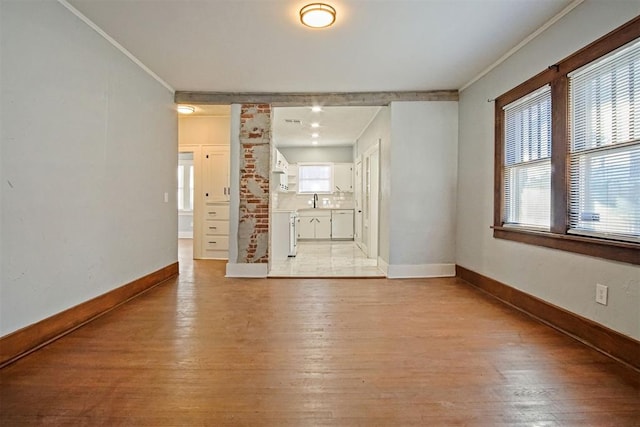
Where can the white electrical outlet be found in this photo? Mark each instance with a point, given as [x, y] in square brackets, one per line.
[602, 292]
[166, 197]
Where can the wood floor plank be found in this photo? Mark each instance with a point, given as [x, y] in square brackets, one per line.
[206, 350]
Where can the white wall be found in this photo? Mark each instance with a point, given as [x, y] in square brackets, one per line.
[561, 278]
[424, 150]
[379, 131]
[204, 130]
[89, 145]
[318, 154]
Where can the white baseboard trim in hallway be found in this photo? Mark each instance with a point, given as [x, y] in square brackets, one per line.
[256, 271]
[410, 271]
[383, 266]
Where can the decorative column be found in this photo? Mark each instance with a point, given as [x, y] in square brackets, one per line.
[255, 167]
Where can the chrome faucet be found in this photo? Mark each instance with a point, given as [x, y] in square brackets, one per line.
[315, 200]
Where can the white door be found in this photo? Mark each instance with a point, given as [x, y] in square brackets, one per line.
[371, 188]
[357, 233]
[215, 174]
[374, 165]
[366, 191]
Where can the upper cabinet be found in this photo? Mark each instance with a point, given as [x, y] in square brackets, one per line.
[343, 177]
[215, 173]
[280, 164]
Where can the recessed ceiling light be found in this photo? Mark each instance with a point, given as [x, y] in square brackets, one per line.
[186, 109]
[317, 15]
[314, 142]
[316, 108]
[315, 135]
[315, 125]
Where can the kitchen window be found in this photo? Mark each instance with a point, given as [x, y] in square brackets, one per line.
[567, 161]
[315, 178]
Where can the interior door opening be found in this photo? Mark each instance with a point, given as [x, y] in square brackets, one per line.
[326, 188]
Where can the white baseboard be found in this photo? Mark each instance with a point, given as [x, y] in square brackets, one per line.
[256, 271]
[408, 271]
[383, 266]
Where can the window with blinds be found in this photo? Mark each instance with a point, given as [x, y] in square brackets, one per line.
[604, 154]
[527, 160]
[315, 178]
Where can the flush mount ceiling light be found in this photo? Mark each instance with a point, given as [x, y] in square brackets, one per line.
[317, 15]
[315, 135]
[186, 109]
[316, 108]
[315, 125]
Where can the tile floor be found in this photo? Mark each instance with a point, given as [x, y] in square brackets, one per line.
[327, 259]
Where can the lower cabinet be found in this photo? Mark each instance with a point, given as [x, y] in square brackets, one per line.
[215, 236]
[314, 224]
[342, 224]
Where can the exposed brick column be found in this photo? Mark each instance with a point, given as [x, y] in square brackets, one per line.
[255, 146]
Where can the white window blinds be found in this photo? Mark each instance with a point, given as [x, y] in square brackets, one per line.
[604, 105]
[527, 160]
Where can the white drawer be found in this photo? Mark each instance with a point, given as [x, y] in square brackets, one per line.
[216, 227]
[216, 243]
[212, 211]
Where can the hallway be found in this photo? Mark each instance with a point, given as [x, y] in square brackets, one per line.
[204, 350]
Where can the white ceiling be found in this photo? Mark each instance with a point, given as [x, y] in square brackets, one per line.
[260, 45]
[338, 126]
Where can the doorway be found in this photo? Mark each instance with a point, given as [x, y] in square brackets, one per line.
[186, 180]
[317, 178]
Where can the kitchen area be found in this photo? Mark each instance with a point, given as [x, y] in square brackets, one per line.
[316, 196]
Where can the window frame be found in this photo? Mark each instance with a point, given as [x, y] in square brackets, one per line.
[557, 236]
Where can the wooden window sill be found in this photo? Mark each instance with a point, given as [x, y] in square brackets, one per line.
[626, 252]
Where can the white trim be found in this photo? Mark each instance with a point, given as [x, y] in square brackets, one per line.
[117, 45]
[257, 271]
[185, 234]
[373, 117]
[399, 271]
[524, 42]
[383, 266]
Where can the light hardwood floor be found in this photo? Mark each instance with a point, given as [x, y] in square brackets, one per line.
[203, 350]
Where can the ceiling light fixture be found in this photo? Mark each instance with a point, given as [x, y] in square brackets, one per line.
[186, 109]
[315, 125]
[316, 108]
[314, 142]
[315, 135]
[317, 15]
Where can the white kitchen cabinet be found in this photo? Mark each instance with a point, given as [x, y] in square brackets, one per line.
[323, 226]
[215, 173]
[215, 240]
[342, 224]
[306, 227]
[343, 177]
[280, 163]
[214, 191]
[314, 224]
